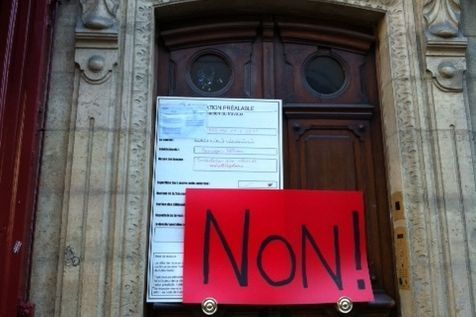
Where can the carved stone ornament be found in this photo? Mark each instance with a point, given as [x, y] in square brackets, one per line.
[445, 45]
[442, 18]
[99, 14]
[97, 40]
[447, 73]
[96, 65]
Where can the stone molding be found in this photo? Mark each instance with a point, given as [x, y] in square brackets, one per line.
[445, 49]
[447, 72]
[96, 65]
[445, 44]
[97, 40]
[99, 14]
[442, 18]
[88, 213]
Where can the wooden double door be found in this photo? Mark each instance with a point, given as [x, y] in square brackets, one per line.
[332, 135]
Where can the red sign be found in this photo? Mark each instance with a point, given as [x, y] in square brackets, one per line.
[274, 247]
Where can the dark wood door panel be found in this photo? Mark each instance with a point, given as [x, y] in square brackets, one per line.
[326, 154]
[341, 154]
[292, 62]
[330, 158]
[240, 58]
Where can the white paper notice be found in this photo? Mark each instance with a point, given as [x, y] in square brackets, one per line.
[205, 143]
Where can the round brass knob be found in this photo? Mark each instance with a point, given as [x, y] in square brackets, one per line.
[344, 305]
[209, 306]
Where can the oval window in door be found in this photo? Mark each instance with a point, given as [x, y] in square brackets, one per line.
[210, 74]
[325, 75]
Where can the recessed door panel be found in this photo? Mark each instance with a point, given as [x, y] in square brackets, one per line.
[326, 156]
[218, 70]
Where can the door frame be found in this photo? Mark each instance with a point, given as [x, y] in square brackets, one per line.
[271, 44]
[383, 17]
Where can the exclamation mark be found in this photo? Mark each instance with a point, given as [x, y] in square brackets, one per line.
[357, 253]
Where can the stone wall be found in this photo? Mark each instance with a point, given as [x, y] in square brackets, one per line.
[90, 238]
[54, 174]
[468, 27]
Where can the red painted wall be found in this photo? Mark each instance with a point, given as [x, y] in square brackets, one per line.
[25, 37]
